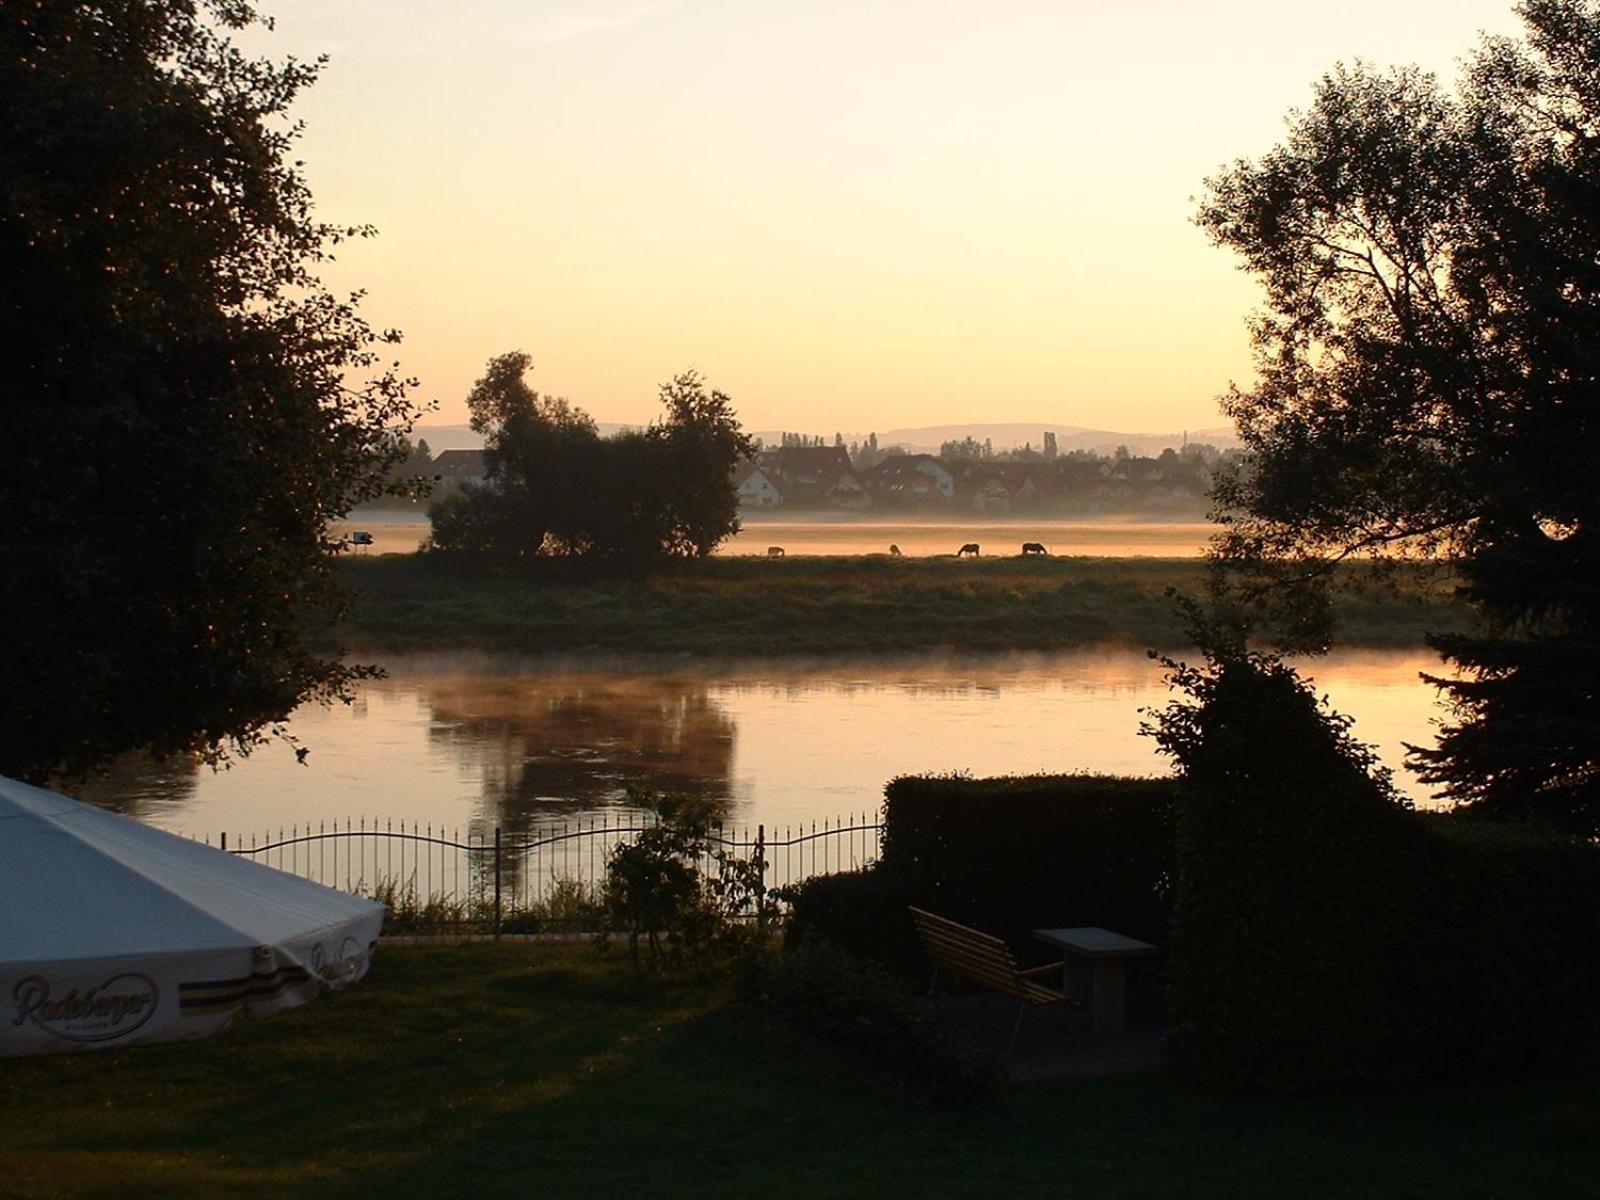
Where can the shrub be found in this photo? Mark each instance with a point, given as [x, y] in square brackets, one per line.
[864, 912]
[1325, 935]
[657, 887]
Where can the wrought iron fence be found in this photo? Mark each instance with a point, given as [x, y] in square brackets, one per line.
[546, 875]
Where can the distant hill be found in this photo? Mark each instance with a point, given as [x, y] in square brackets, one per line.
[927, 439]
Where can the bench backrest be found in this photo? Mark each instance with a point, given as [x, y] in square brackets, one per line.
[968, 952]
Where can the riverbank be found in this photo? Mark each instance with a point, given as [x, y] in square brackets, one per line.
[871, 604]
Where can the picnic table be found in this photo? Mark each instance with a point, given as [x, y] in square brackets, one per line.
[1095, 967]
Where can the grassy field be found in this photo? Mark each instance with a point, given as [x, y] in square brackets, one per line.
[551, 1070]
[819, 605]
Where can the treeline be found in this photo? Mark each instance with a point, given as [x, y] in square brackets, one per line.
[867, 453]
[554, 487]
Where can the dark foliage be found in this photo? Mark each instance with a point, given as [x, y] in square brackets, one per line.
[1523, 745]
[556, 488]
[680, 889]
[1006, 856]
[1011, 855]
[1324, 935]
[185, 401]
[1428, 377]
[863, 912]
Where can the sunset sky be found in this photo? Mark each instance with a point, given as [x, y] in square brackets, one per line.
[848, 215]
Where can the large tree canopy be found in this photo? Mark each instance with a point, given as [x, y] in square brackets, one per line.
[1429, 382]
[186, 406]
[555, 487]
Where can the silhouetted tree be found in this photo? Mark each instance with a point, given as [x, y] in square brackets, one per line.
[866, 455]
[1429, 382]
[700, 442]
[555, 487]
[190, 406]
[965, 448]
[532, 448]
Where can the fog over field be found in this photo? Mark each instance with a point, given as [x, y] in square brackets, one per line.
[849, 533]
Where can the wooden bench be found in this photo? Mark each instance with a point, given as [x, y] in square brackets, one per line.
[984, 959]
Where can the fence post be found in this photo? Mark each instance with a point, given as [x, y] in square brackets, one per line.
[224, 839]
[497, 882]
[761, 888]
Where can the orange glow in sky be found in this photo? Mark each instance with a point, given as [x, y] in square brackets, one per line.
[847, 215]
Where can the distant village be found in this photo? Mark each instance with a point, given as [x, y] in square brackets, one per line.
[804, 474]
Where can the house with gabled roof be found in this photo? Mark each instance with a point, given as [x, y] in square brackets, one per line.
[453, 468]
[1028, 484]
[915, 479]
[978, 486]
[754, 487]
[814, 476]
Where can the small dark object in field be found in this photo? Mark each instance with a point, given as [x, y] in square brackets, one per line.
[894, 550]
[774, 551]
[1034, 548]
[970, 548]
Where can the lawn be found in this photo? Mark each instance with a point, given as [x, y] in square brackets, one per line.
[552, 1070]
[820, 605]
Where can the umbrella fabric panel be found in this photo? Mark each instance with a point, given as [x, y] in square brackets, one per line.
[114, 934]
[266, 905]
[60, 898]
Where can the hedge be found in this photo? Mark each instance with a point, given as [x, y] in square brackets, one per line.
[1326, 936]
[1007, 856]
[1011, 855]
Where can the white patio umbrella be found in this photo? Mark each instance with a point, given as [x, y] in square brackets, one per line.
[113, 933]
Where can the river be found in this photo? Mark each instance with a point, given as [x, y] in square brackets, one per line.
[474, 742]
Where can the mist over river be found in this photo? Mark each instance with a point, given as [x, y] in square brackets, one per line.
[475, 741]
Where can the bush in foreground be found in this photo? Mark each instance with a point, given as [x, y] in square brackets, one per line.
[1325, 935]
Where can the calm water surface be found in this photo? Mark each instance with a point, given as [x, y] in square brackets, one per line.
[481, 741]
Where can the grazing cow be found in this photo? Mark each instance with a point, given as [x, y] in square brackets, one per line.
[970, 548]
[894, 551]
[1034, 548]
[774, 551]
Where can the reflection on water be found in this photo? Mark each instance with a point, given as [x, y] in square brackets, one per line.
[486, 741]
[547, 746]
[141, 786]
